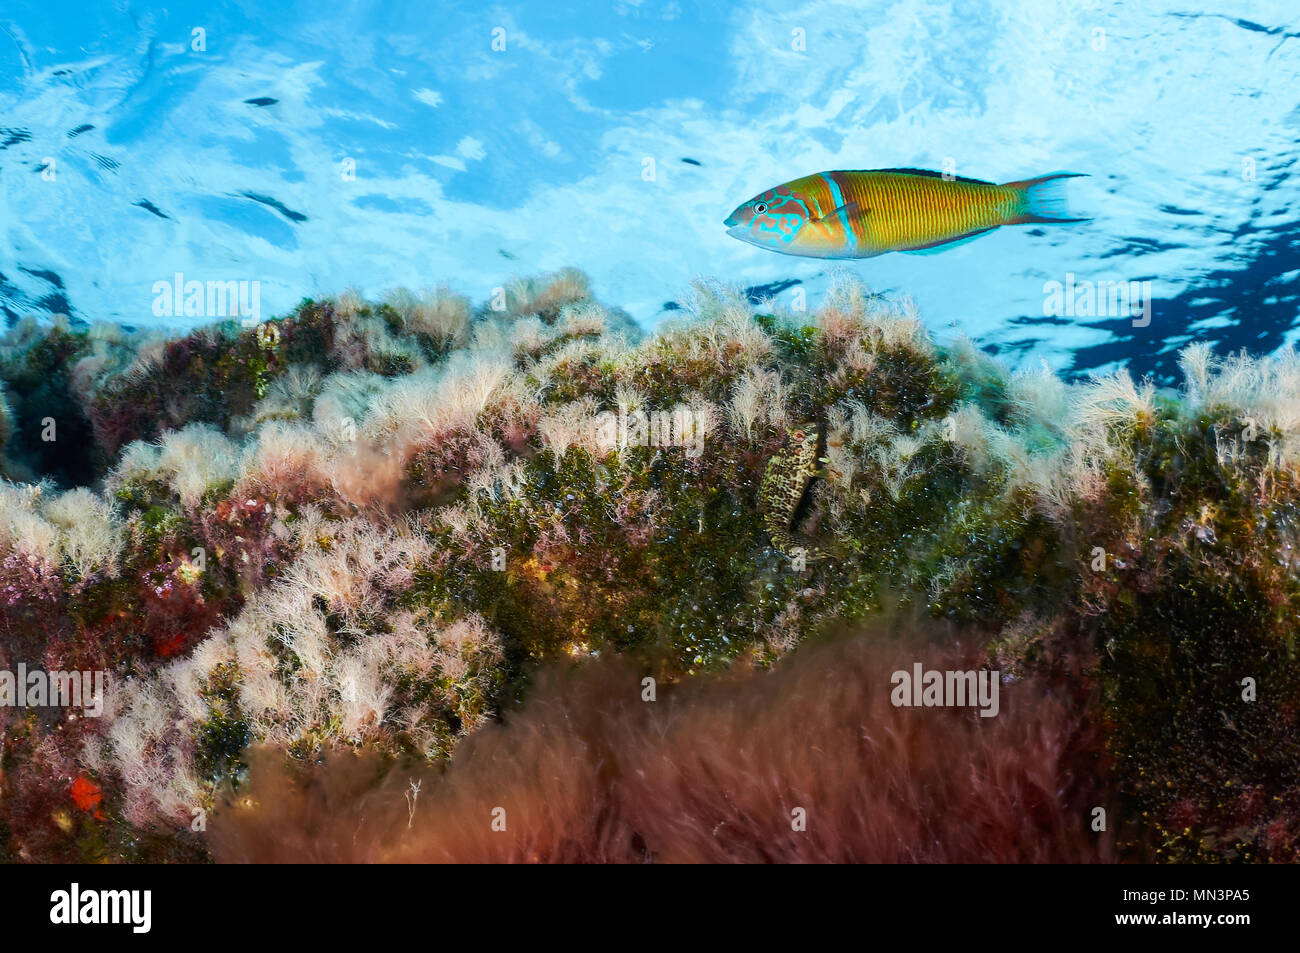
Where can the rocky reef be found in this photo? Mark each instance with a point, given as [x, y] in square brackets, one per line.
[376, 525]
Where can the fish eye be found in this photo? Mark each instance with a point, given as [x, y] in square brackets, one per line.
[760, 208]
[798, 435]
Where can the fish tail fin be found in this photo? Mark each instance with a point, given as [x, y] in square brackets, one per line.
[1042, 200]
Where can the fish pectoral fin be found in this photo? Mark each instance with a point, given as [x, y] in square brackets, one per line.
[848, 208]
[944, 246]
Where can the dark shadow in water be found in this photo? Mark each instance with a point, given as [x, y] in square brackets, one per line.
[1261, 306]
[756, 294]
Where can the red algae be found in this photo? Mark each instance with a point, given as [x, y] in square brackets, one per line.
[718, 771]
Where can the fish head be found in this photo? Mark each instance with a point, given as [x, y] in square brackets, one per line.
[803, 440]
[771, 219]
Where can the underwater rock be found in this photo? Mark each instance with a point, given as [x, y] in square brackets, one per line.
[370, 525]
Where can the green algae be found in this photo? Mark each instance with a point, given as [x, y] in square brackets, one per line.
[663, 558]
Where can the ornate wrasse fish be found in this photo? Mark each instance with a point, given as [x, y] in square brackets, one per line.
[864, 214]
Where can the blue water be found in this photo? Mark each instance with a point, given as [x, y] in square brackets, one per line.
[127, 154]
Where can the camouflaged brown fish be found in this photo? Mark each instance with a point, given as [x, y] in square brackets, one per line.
[785, 481]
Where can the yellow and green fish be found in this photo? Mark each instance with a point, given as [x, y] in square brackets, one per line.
[864, 214]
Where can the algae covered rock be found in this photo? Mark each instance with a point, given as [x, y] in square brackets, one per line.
[370, 525]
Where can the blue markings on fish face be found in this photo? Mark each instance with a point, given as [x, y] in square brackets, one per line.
[771, 220]
[778, 226]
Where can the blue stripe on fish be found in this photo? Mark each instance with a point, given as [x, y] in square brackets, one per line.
[838, 198]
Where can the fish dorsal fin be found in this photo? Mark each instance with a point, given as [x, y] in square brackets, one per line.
[936, 175]
[848, 208]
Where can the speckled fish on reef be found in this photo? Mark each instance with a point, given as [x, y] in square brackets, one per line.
[864, 214]
[785, 483]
